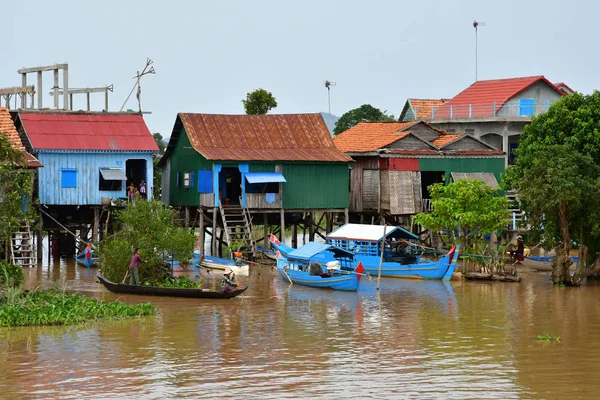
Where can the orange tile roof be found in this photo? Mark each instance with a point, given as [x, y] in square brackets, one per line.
[445, 139]
[423, 107]
[8, 128]
[371, 136]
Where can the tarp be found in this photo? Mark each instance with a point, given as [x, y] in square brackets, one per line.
[264, 177]
[311, 249]
[487, 177]
[113, 174]
[370, 233]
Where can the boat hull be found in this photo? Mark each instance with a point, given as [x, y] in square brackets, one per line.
[541, 263]
[81, 259]
[340, 282]
[214, 263]
[170, 292]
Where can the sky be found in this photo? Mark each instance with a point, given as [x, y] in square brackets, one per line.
[209, 54]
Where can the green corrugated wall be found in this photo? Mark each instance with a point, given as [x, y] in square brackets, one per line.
[448, 165]
[315, 185]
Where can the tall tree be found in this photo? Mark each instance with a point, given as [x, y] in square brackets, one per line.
[16, 185]
[158, 138]
[259, 102]
[364, 113]
[556, 175]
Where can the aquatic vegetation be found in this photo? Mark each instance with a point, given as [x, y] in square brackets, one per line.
[55, 307]
[11, 275]
[545, 337]
[181, 282]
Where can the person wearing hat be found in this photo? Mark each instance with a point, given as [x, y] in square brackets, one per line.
[518, 254]
[229, 281]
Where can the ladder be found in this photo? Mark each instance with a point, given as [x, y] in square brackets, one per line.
[237, 224]
[22, 247]
[517, 214]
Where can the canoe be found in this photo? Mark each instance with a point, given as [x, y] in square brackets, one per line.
[392, 266]
[87, 258]
[341, 273]
[171, 292]
[209, 262]
[541, 263]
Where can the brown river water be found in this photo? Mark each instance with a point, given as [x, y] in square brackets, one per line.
[413, 340]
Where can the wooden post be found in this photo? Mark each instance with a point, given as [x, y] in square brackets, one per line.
[282, 224]
[213, 239]
[220, 247]
[311, 227]
[96, 234]
[329, 223]
[381, 257]
[295, 235]
[346, 216]
[266, 231]
[187, 217]
[40, 237]
[201, 238]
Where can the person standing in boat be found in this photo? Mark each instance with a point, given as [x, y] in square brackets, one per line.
[229, 281]
[134, 266]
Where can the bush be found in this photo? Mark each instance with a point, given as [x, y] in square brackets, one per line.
[11, 275]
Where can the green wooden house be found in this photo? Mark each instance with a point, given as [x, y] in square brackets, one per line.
[256, 164]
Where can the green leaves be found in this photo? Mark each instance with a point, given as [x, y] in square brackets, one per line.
[259, 102]
[364, 113]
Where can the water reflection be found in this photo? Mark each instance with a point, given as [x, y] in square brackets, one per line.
[409, 339]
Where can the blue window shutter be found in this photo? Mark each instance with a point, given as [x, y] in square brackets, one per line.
[526, 107]
[205, 181]
[177, 179]
[192, 179]
[68, 178]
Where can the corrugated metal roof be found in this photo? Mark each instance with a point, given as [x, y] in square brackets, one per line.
[264, 177]
[487, 177]
[113, 174]
[87, 131]
[272, 137]
[8, 128]
[369, 136]
[370, 233]
[443, 140]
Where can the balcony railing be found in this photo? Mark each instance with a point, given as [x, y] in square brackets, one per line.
[478, 111]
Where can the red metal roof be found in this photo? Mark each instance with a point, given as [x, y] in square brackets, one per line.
[271, 137]
[483, 94]
[87, 131]
[8, 128]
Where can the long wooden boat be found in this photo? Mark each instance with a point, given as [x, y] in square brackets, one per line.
[171, 292]
[365, 242]
[209, 262]
[87, 258]
[339, 274]
[541, 263]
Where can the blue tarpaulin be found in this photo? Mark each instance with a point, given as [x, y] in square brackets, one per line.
[264, 177]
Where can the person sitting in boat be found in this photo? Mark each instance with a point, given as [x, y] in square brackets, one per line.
[315, 269]
[229, 281]
[517, 253]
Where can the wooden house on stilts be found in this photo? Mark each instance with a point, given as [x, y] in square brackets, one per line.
[231, 171]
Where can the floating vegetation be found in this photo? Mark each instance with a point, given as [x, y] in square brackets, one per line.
[545, 337]
[55, 307]
[181, 282]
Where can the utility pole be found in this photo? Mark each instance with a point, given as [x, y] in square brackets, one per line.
[475, 25]
[328, 85]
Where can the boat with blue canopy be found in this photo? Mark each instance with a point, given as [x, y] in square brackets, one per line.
[399, 258]
[87, 257]
[340, 273]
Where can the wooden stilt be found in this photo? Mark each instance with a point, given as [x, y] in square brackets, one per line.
[201, 229]
[346, 216]
[213, 239]
[96, 225]
[295, 235]
[282, 224]
[187, 217]
[221, 243]
[40, 236]
[311, 227]
[265, 230]
[329, 221]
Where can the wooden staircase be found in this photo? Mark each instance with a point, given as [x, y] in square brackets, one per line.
[22, 247]
[238, 227]
[515, 210]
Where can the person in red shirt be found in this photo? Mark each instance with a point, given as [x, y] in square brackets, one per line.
[134, 266]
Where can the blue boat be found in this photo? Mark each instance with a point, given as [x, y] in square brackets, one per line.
[87, 257]
[215, 263]
[299, 267]
[365, 241]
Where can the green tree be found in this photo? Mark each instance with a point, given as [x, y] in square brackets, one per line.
[465, 212]
[150, 226]
[259, 102]
[556, 177]
[364, 113]
[16, 185]
[158, 138]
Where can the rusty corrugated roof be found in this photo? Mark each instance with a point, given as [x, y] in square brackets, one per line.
[272, 137]
[370, 136]
[7, 127]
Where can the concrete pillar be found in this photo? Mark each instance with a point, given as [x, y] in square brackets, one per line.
[24, 84]
[55, 89]
[105, 100]
[213, 239]
[71, 102]
[39, 90]
[201, 238]
[87, 98]
[66, 87]
[505, 149]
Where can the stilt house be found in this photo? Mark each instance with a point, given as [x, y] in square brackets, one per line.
[246, 165]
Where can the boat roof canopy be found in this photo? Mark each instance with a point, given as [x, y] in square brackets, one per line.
[311, 249]
[370, 233]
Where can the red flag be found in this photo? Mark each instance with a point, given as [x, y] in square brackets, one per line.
[278, 254]
[273, 239]
[359, 270]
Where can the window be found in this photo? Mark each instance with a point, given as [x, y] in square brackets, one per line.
[186, 179]
[68, 178]
[470, 131]
[111, 179]
[526, 107]
[450, 130]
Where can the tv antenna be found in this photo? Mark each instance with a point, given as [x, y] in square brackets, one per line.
[328, 85]
[148, 69]
[476, 25]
